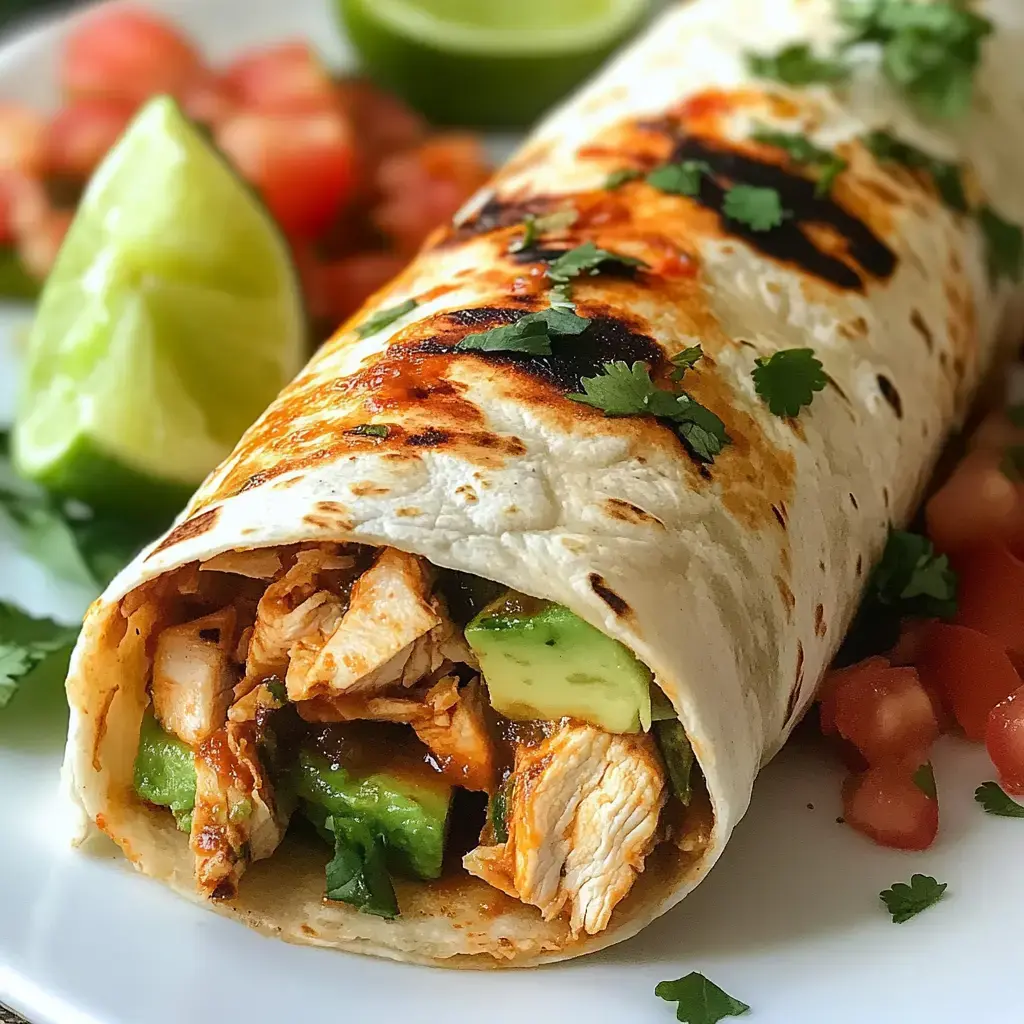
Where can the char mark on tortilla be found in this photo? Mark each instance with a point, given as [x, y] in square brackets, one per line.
[610, 598]
[190, 528]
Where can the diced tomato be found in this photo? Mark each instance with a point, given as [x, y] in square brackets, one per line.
[990, 596]
[283, 79]
[126, 54]
[344, 285]
[81, 135]
[972, 671]
[302, 165]
[209, 100]
[887, 715]
[913, 633]
[889, 807]
[22, 140]
[382, 122]
[1004, 740]
[837, 680]
[977, 505]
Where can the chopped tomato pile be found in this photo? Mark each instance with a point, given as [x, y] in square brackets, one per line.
[354, 178]
[959, 668]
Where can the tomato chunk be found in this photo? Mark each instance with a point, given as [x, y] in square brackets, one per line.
[1004, 740]
[838, 679]
[283, 79]
[82, 134]
[972, 671]
[126, 54]
[22, 140]
[339, 288]
[991, 596]
[977, 505]
[889, 807]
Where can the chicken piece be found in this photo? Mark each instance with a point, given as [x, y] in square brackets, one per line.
[257, 564]
[582, 819]
[448, 720]
[268, 696]
[293, 609]
[235, 820]
[193, 676]
[392, 634]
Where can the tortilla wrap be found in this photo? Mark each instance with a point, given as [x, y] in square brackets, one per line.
[734, 582]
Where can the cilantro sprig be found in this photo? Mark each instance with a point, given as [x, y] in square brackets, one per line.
[912, 579]
[797, 64]
[699, 1001]
[587, 258]
[385, 318]
[995, 801]
[905, 901]
[788, 380]
[621, 177]
[531, 334]
[679, 179]
[535, 226]
[924, 779]
[26, 643]
[758, 208]
[624, 390]
[801, 150]
[370, 430]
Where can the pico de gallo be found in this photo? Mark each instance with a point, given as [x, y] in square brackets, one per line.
[958, 661]
[354, 178]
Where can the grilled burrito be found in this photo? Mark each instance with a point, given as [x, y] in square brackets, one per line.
[471, 651]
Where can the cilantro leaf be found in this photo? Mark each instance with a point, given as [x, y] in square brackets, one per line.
[948, 177]
[370, 430]
[930, 50]
[682, 179]
[698, 1000]
[685, 360]
[912, 579]
[620, 177]
[796, 64]
[802, 151]
[531, 334]
[358, 874]
[924, 779]
[587, 258]
[992, 798]
[277, 689]
[25, 644]
[759, 208]
[906, 901]
[788, 379]
[534, 226]
[624, 390]
[1004, 243]
[385, 318]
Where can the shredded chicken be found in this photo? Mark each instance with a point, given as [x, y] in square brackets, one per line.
[392, 634]
[193, 676]
[257, 564]
[582, 819]
[448, 720]
[235, 820]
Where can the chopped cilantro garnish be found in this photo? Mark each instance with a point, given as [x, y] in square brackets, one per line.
[788, 379]
[699, 1001]
[25, 644]
[620, 177]
[682, 179]
[759, 208]
[685, 360]
[589, 259]
[796, 64]
[624, 390]
[277, 689]
[994, 801]
[531, 334]
[906, 901]
[1004, 244]
[385, 318]
[912, 579]
[930, 50]
[370, 430]
[948, 177]
[534, 227]
[924, 779]
[358, 873]
[802, 151]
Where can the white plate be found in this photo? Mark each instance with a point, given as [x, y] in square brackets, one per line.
[789, 921]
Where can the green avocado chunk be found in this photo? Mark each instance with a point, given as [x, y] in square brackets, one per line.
[540, 661]
[165, 773]
[410, 812]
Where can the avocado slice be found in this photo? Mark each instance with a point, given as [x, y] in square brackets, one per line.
[165, 773]
[409, 811]
[540, 661]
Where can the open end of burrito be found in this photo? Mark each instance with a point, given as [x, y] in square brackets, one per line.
[411, 727]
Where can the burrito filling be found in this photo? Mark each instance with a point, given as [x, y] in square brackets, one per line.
[389, 709]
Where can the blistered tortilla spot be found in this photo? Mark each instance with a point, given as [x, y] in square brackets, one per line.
[853, 500]
[285, 482]
[860, 565]
[890, 394]
[779, 516]
[627, 512]
[574, 547]
[831, 382]
[918, 322]
[306, 930]
[408, 513]
[617, 604]
[368, 489]
[786, 594]
[821, 564]
[468, 495]
[820, 626]
[190, 528]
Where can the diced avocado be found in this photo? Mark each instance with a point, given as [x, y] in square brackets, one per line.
[164, 772]
[661, 706]
[540, 661]
[410, 812]
[677, 753]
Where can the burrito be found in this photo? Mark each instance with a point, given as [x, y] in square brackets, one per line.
[471, 651]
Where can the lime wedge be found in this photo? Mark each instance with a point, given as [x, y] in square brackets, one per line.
[170, 321]
[487, 63]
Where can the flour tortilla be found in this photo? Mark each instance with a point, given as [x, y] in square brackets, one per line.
[734, 583]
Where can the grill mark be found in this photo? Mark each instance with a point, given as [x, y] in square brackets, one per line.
[788, 243]
[627, 512]
[779, 516]
[192, 527]
[794, 695]
[610, 598]
[917, 321]
[430, 438]
[891, 395]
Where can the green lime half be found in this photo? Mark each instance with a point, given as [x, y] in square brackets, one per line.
[170, 321]
[486, 63]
